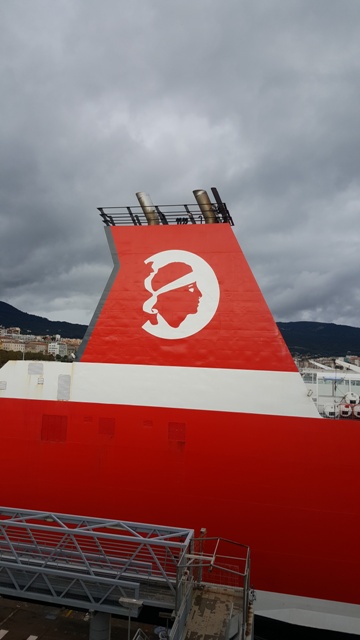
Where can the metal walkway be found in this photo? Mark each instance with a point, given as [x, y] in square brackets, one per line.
[116, 567]
[212, 609]
[91, 563]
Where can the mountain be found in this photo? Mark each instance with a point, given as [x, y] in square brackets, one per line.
[303, 338]
[36, 325]
[320, 338]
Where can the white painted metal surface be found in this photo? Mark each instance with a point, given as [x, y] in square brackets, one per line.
[309, 612]
[228, 390]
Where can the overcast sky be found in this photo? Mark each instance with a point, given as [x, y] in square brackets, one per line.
[260, 98]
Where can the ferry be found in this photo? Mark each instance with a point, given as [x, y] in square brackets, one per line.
[185, 408]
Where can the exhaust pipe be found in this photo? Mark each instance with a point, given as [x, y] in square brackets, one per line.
[205, 205]
[148, 208]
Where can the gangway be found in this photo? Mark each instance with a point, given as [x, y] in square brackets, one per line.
[108, 566]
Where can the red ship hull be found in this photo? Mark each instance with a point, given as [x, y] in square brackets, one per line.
[289, 487]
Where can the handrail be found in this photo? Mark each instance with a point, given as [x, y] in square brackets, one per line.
[178, 214]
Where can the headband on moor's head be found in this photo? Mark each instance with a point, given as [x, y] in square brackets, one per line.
[171, 276]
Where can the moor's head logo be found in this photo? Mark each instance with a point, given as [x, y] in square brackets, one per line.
[184, 294]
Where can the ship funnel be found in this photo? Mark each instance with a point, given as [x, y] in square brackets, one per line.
[148, 208]
[205, 205]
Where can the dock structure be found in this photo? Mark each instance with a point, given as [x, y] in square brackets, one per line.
[216, 613]
[117, 567]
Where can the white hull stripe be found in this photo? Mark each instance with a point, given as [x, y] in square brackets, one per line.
[225, 390]
[309, 612]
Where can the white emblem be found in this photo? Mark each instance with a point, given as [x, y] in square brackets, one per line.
[184, 292]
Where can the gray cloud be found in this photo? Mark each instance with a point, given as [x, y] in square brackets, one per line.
[258, 97]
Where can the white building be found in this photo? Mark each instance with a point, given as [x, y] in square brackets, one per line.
[12, 345]
[57, 349]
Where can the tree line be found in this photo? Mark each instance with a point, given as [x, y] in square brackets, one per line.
[5, 356]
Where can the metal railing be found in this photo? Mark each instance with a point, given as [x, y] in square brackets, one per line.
[219, 564]
[90, 563]
[179, 214]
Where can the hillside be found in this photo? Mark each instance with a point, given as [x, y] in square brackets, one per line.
[36, 325]
[304, 338]
[320, 338]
